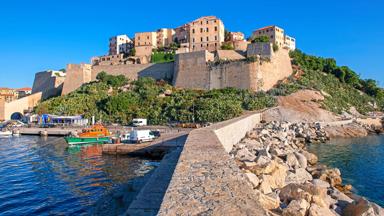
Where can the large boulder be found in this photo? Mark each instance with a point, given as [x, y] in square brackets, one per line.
[362, 208]
[311, 158]
[299, 176]
[296, 208]
[302, 160]
[316, 210]
[292, 161]
[275, 179]
[253, 179]
[270, 201]
[245, 155]
[301, 191]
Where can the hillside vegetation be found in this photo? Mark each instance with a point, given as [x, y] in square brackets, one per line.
[343, 88]
[115, 99]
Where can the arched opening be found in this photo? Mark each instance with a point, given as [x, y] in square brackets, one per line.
[16, 116]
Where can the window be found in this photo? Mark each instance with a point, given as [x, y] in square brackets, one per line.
[207, 29]
[215, 28]
[207, 21]
[215, 44]
[201, 22]
[138, 43]
[215, 37]
[207, 38]
[201, 30]
[271, 36]
[148, 37]
[201, 45]
[193, 31]
[193, 40]
[201, 39]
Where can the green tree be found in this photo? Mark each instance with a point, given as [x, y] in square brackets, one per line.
[258, 39]
[227, 46]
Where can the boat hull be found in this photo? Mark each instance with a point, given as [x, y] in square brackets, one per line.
[86, 140]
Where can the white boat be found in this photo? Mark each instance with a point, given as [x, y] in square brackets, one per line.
[5, 133]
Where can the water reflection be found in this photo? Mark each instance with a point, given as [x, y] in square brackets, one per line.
[43, 176]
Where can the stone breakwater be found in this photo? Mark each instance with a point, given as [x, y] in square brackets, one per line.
[287, 179]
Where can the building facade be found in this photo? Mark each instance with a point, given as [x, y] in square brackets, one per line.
[146, 39]
[277, 36]
[206, 33]
[8, 94]
[164, 37]
[120, 44]
[22, 92]
[236, 36]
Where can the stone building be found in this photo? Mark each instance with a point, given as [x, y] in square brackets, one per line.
[164, 37]
[8, 94]
[236, 36]
[206, 33]
[277, 36]
[146, 39]
[22, 92]
[120, 44]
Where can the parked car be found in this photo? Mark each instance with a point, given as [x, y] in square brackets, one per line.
[139, 122]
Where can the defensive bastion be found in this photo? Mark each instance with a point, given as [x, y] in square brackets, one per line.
[259, 68]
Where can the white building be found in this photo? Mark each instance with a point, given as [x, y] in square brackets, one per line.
[289, 42]
[120, 44]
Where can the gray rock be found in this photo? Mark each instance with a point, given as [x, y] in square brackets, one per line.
[320, 183]
[299, 176]
[245, 155]
[302, 160]
[296, 208]
[292, 161]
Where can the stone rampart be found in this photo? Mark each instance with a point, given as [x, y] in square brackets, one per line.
[191, 70]
[133, 71]
[48, 83]
[206, 180]
[77, 75]
[195, 71]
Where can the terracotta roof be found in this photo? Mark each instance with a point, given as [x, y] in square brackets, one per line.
[24, 89]
[5, 88]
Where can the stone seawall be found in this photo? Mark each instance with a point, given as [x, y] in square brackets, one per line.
[206, 180]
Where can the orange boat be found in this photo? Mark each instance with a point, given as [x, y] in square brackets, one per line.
[96, 134]
[96, 130]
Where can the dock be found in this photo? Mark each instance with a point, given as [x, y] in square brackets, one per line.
[157, 148]
[47, 131]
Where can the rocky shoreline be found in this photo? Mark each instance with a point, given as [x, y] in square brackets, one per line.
[288, 180]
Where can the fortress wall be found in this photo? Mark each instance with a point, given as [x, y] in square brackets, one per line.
[133, 71]
[77, 75]
[234, 74]
[278, 69]
[47, 84]
[191, 70]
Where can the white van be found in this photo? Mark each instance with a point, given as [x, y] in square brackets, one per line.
[139, 122]
[139, 136]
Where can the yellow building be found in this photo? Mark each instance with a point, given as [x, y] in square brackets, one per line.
[146, 39]
[206, 33]
[8, 94]
[277, 36]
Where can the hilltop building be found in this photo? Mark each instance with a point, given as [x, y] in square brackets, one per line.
[277, 36]
[206, 33]
[164, 37]
[120, 44]
[22, 92]
[8, 94]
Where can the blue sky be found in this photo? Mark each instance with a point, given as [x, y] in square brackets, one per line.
[39, 35]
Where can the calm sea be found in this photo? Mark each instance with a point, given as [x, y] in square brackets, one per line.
[43, 177]
[361, 162]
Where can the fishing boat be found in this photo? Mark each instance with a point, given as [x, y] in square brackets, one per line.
[97, 134]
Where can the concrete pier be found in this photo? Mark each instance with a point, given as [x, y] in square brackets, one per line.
[49, 131]
[200, 178]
